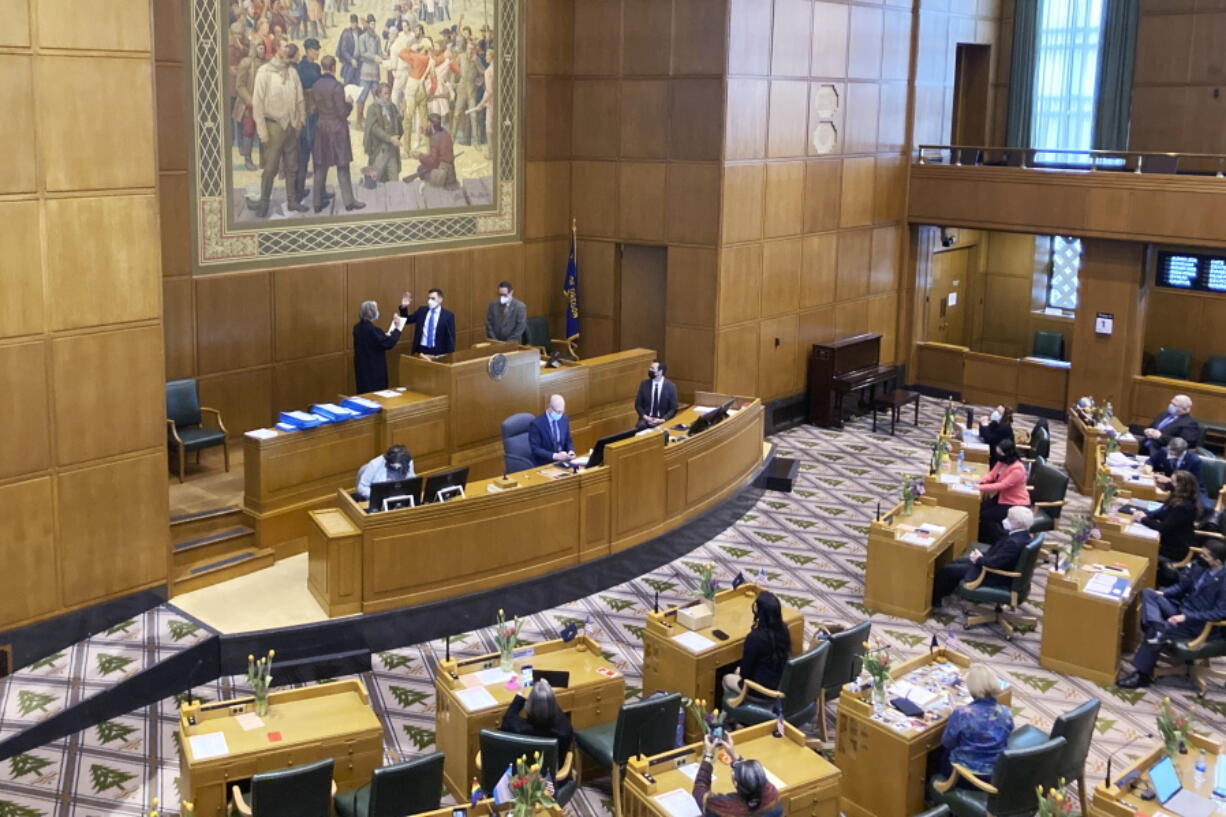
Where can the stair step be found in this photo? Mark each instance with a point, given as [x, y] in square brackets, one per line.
[191, 526]
[211, 571]
[213, 545]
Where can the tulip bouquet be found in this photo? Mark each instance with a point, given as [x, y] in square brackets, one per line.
[1106, 492]
[706, 582]
[1083, 531]
[506, 636]
[1173, 727]
[940, 450]
[530, 789]
[1113, 439]
[707, 721]
[259, 676]
[912, 487]
[877, 662]
[1053, 803]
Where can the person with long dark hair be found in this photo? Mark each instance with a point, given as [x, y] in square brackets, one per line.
[1175, 522]
[539, 715]
[767, 646]
[1004, 487]
[754, 793]
[998, 428]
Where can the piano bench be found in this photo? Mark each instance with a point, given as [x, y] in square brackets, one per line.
[895, 401]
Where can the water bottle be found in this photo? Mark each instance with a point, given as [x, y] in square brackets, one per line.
[761, 577]
[681, 727]
[1201, 766]
[961, 457]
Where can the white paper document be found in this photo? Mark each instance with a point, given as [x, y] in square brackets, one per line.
[249, 721]
[262, 433]
[211, 745]
[476, 698]
[917, 539]
[364, 401]
[304, 416]
[690, 770]
[1137, 529]
[935, 530]
[387, 393]
[704, 409]
[493, 675]
[694, 642]
[963, 488]
[1121, 459]
[949, 479]
[678, 803]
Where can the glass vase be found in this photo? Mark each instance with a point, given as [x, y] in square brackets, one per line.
[261, 705]
[506, 660]
[879, 696]
[907, 504]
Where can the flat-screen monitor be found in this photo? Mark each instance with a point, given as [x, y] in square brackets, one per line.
[597, 457]
[1199, 272]
[394, 494]
[446, 485]
[712, 417]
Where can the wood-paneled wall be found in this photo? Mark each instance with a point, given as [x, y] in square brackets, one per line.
[82, 462]
[1186, 320]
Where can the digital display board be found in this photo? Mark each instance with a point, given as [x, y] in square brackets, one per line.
[1193, 271]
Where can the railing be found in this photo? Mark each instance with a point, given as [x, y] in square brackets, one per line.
[1113, 161]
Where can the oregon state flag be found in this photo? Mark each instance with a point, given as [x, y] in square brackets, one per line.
[570, 288]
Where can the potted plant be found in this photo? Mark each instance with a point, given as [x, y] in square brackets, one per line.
[702, 614]
[1106, 492]
[259, 675]
[1053, 803]
[506, 636]
[1174, 728]
[940, 449]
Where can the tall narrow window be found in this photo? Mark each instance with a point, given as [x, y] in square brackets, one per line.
[1066, 78]
[1062, 277]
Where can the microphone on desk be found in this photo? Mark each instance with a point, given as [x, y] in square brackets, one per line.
[1111, 757]
[935, 645]
[877, 518]
[447, 648]
[655, 607]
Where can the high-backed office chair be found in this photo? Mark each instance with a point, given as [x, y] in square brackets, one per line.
[1077, 728]
[185, 430]
[966, 156]
[1006, 602]
[501, 749]
[537, 335]
[1214, 371]
[1159, 163]
[1171, 362]
[302, 791]
[645, 727]
[842, 666]
[516, 450]
[1017, 778]
[1048, 487]
[1015, 157]
[1194, 656]
[1039, 443]
[404, 788]
[799, 689]
[1212, 478]
[1049, 345]
[940, 811]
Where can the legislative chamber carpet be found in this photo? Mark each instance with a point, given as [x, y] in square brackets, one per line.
[809, 547]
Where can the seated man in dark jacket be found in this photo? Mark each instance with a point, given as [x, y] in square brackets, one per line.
[1175, 457]
[1180, 611]
[1002, 555]
[1176, 421]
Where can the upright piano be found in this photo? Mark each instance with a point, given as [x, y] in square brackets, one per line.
[845, 365]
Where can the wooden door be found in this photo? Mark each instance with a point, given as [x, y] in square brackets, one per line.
[642, 299]
[946, 297]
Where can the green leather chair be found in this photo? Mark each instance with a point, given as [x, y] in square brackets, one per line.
[1194, 656]
[1215, 370]
[1048, 487]
[404, 788]
[185, 430]
[1018, 776]
[302, 791]
[842, 666]
[1039, 444]
[940, 811]
[800, 686]
[1077, 728]
[1171, 362]
[501, 749]
[1004, 601]
[1049, 345]
[1212, 477]
[647, 727]
[538, 335]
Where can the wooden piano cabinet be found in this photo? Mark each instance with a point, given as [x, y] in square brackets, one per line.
[831, 363]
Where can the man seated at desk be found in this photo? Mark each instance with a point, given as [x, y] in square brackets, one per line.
[1002, 555]
[656, 401]
[1174, 457]
[1176, 421]
[1180, 611]
[396, 463]
[434, 327]
[549, 434]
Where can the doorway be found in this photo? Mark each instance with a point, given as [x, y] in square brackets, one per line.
[946, 297]
[972, 90]
[642, 297]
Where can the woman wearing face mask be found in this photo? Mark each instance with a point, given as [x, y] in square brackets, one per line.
[1003, 487]
[998, 428]
[1175, 522]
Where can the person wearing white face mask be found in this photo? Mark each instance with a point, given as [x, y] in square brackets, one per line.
[506, 318]
[434, 332]
[1002, 555]
[1176, 421]
[549, 434]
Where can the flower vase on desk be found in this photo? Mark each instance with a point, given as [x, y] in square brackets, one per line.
[506, 661]
[506, 636]
[879, 696]
[259, 676]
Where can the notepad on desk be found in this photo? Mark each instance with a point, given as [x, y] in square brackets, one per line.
[678, 803]
[386, 393]
[476, 698]
[209, 745]
[1137, 529]
[694, 642]
[262, 433]
[1108, 586]
[917, 538]
[493, 675]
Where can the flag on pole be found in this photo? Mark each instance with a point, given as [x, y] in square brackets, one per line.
[570, 288]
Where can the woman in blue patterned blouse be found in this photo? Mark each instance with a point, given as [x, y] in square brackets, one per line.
[976, 734]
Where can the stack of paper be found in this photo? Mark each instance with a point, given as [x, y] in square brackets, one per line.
[476, 698]
[678, 803]
[694, 642]
[949, 479]
[212, 744]
[1137, 529]
[1112, 587]
[387, 393]
[917, 538]
[261, 433]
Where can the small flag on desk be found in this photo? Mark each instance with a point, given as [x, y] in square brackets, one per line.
[569, 632]
[738, 580]
[570, 288]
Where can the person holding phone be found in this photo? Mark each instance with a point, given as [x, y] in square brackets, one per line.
[754, 793]
[539, 715]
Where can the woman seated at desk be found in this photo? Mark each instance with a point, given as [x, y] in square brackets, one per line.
[1175, 522]
[767, 647]
[977, 733]
[998, 428]
[1006, 483]
[539, 716]
[754, 794]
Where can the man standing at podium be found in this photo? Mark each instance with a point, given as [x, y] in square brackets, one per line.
[656, 401]
[434, 332]
[549, 434]
[506, 318]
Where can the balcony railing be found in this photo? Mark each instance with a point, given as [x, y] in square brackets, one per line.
[1090, 161]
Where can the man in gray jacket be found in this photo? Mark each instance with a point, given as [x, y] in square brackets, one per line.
[506, 318]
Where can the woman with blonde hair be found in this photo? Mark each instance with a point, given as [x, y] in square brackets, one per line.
[977, 733]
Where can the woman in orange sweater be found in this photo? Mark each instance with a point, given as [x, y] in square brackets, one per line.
[1003, 487]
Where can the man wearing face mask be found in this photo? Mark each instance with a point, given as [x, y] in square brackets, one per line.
[656, 401]
[549, 434]
[1001, 556]
[435, 327]
[1176, 421]
[506, 318]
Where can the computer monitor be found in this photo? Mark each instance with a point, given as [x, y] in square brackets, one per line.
[394, 494]
[445, 485]
[597, 457]
[712, 417]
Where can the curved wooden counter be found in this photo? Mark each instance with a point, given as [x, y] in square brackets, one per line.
[367, 563]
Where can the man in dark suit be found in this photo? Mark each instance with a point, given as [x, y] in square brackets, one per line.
[1176, 421]
[549, 434]
[1175, 457]
[370, 345]
[435, 327]
[506, 318]
[1180, 612]
[1003, 555]
[656, 401]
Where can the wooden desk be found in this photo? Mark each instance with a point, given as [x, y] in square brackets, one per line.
[967, 442]
[671, 667]
[550, 520]
[590, 699]
[1082, 443]
[1110, 800]
[811, 783]
[898, 577]
[329, 720]
[885, 769]
[1083, 633]
[956, 489]
[1114, 529]
[1138, 481]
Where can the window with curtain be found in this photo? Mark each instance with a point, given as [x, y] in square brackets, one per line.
[1063, 267]
[1068, 39]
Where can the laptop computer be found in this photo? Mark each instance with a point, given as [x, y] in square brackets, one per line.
[557, 678]
[1173, 796]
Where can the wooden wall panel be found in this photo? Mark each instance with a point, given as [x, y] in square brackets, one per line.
[641, 201]
[786, 125]
[823, 195]
[233, 321]
[829, 39]
[179, 328]
[644, 112]
[692, 201]
[21, 295]
[594, 193]
[307, 308]
[601, 257]
[778, 374]
[15, 23]
[742, 203]
[857, 204]
[693, 284]
[784, 199]
[302, 383]
[781, 263]
[695, 119]
[115, 33]
[24, 397]
[819, 269]
[29, 582]
[597, 113]
[855, 259]
[737, 353]
[700, 34]
[744, 123]
[740, 284]
[17, 165]
[175, 221]
[244, 398]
